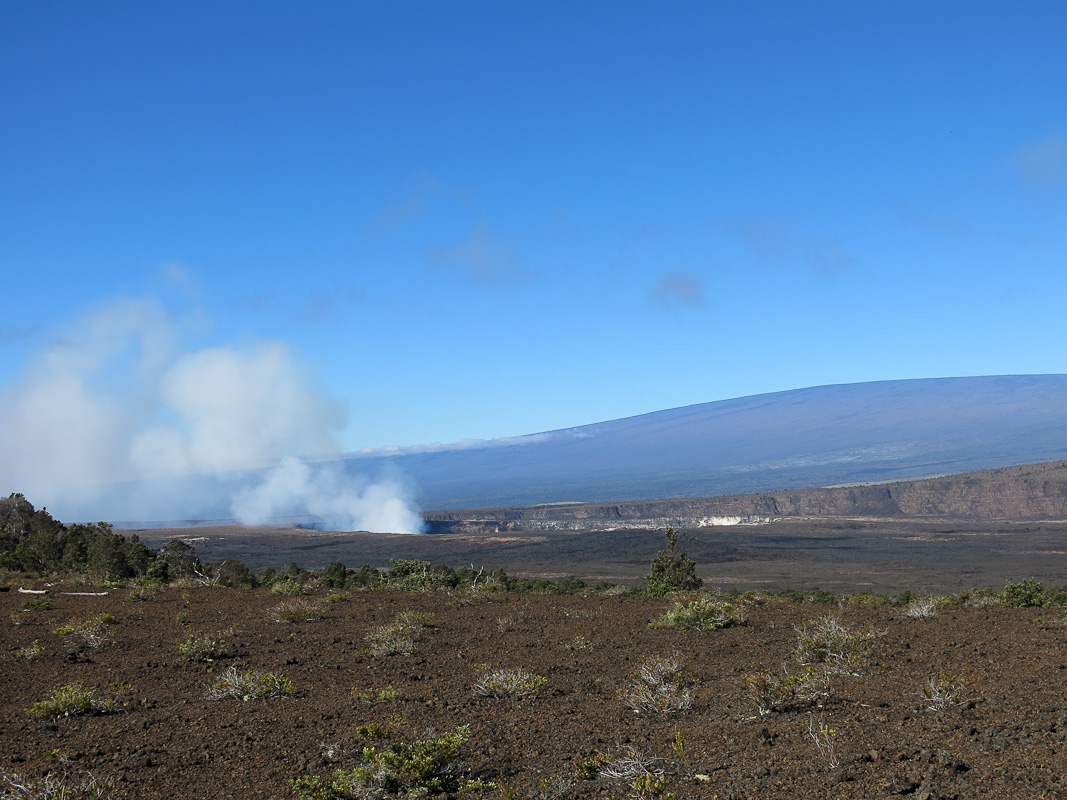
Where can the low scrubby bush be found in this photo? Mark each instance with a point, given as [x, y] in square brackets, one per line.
[72, 700]
[53, 786]
[419, 768]
[783, 691]
[657, 686]
[507, 683]
[701, 614]
[833, 646]
[250, 685]
[205, 648]
[299, 609]
[398, 637]
[946, 691]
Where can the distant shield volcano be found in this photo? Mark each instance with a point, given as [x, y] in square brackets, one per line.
[826, 435]
[822, 436]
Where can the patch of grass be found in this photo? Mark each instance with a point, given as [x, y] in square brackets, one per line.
[297, 610]
[507, 683]
[205, 648]
[250, 685]
[700, 614]
[29, 652]
[53, 786]
[143, 592]
[72, 700]
[398, 638]
[946, 691]
[41, 604]
[91, 630]
[372, 696]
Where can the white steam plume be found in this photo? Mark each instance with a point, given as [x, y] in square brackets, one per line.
[115, 399]
[295, 488]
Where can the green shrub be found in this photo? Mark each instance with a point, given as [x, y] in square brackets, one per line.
[288, 586]
[71, 700]
[42, 604]
[419, 768]
[1028, 593]
[92, 630]
[205, 648]
[670, 571]
[701, 614]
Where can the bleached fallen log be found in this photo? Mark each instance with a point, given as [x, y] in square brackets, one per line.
[33, 591]
[86, 594]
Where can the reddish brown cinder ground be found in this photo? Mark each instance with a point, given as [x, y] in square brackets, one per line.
[172, 741]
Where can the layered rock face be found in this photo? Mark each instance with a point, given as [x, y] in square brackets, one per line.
[1031, 491]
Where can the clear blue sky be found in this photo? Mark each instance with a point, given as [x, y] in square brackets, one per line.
[488, 219]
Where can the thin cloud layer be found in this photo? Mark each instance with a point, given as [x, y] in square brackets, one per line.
[1043, 163]
[778, 240]
[676, 290]
[484, 257]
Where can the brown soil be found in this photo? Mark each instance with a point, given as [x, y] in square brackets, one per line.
[173, 742]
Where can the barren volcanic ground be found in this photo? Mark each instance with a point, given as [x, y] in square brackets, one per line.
[171, 741]
[841, 555]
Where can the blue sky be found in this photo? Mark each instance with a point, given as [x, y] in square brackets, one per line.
[489, 219]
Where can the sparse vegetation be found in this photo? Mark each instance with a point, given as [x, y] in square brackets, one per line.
[371, 696]
[657, 686]
[946, 691]
[29, 652]
[250, 685]
[419, 768]
[825, 739]
[53, 786]
[833, 646]
[72, 700]
[92, 630]
[704, 613]
[507, 683]
[782, 691]
[298, 609]
[399, 637]
[205, 648]
[921, 608]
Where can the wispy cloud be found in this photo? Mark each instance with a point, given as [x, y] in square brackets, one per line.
[470, 444]
[938, 223]
[778, 240]
[1043, 164]
[675, 291]
[485, 257]
[413, 204]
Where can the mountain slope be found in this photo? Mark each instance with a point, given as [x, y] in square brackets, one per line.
[826, 435]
